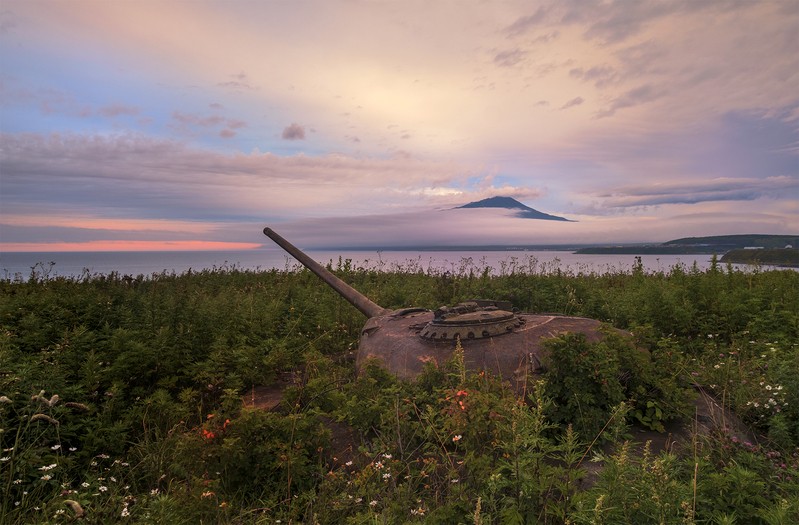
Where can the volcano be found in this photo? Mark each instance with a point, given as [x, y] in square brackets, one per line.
[509, 203]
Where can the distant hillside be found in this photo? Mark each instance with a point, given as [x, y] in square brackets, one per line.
[718, 244]
[731, 242]
[768, 256]
[522, 211]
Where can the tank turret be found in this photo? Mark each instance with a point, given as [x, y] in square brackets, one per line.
[494, 336]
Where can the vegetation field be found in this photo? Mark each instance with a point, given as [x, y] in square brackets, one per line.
[125, 400]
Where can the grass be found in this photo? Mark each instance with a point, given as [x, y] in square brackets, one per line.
[121, 401]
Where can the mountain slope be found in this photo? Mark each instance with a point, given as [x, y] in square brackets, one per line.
[522, 211]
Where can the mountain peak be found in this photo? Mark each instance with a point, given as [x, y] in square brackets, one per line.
[509, 203]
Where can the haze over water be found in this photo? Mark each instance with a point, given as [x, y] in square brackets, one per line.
[18, 266]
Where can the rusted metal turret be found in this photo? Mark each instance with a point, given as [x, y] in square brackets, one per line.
[494, 336]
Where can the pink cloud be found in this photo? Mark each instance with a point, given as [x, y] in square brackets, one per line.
[116, 110]
[293, 132]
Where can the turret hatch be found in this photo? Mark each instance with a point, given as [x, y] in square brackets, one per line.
[471, 320]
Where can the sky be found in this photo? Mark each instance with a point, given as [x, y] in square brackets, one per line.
[180, 125]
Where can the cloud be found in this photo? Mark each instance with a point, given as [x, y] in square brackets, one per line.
[573, 102]
[600, 76]
[293, 132]
[188, 119]
[8, 21]
[610, 22]
[500, 227]
[240, 82]
[633, 97]
[116, 110]
[190, 123]
[524, 24]
[693, 192]
[167, 179]
[509, 58]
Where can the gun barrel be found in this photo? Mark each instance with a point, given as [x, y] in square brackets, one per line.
[355, 298]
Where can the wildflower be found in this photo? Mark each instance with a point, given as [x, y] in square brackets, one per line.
[17, 481]
[716, 366]
[768, 387]
[208, 494]
[456, 438]
[387, 475]
[358, 500]
[59, 512]
[85, 484]
[73, 449]
[348, 463]
[378, 465]
[112, 478]
[4, 399]
[455, 480]
[5, 458]
[373, 503]
[207, 434]
[102, 488]
[55, 447]
[46, 477]
[154, 492]
[125, 511]
[387, 456]
[48, 467]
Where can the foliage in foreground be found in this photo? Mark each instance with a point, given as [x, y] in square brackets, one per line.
[122, 402]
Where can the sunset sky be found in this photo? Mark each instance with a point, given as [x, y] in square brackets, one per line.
[193, 124]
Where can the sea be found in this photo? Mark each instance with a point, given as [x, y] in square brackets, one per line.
[21, 266]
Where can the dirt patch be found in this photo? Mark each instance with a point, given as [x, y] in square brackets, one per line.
[269, 397]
